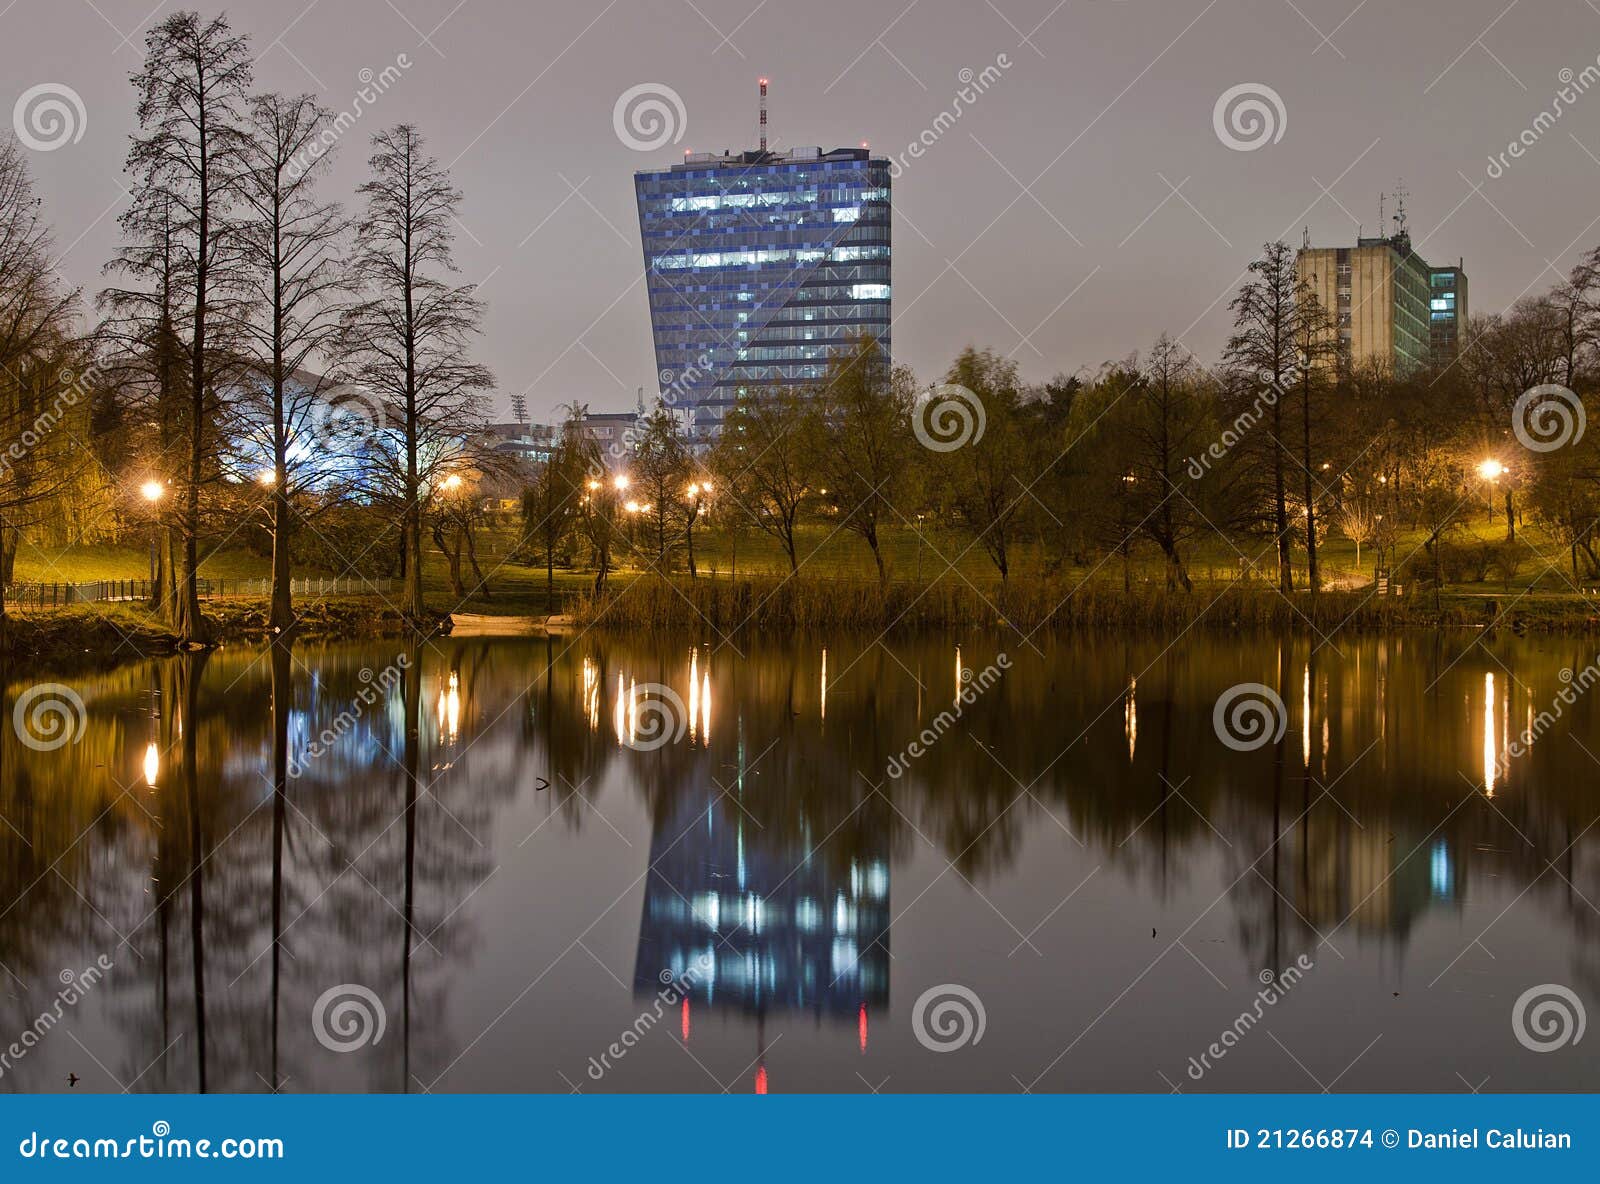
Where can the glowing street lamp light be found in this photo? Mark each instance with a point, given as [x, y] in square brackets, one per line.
[622, 481]
[152, 491]
[1490, 469]
[452, 482]
[267, 477]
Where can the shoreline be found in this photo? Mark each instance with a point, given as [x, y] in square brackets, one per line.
[92, 635]
[89, 636]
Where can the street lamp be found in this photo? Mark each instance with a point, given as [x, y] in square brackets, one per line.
[267, 477]
[621, 482]
[452, 482]
[153, 491]
[1491, 470]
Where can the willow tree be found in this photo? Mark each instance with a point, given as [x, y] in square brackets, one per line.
[1167, 419]
[408, 334]
[294, 279]
[39, 390]
[763, 462]
[866, 457]
[186, 162]
[987, 478]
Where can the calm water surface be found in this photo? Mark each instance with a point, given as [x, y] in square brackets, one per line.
[480, 839]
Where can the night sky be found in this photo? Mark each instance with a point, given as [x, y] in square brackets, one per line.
[1083, 203]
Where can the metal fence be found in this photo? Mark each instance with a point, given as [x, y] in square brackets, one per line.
[58, 595]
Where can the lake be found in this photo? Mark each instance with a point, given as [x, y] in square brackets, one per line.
[938, 863]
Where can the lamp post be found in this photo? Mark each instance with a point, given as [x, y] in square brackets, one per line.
[697, 491]
[153, 491]
[1491, 470]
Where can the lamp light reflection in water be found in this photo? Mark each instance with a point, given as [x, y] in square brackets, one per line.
[1130, 714]
[152, 764]
[591, 694]
[694, 691]
[1488, 734]
[1305, 718]
[450, 709]
[824, 714]
[958, 675]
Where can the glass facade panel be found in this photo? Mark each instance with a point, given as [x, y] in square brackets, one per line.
[758, 267]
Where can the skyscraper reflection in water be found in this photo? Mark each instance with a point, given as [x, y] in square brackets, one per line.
[744, 922]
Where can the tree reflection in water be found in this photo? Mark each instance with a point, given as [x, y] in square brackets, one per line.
[239, 837]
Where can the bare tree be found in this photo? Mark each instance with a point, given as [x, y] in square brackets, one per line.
[1265, 348]
[408, 335]
[1358, 523]
[550, 504]
[40, 391]
[659, 482]
[1168, 422]
[1317, 361]
[293, 281]
[187, 166]
[148, 360]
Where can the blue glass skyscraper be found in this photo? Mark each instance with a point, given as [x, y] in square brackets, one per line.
[759, 266]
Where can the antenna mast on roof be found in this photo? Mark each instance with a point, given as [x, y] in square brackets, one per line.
[1400, 208]
[762, 126]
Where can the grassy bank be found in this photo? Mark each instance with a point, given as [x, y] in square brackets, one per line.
[800, 603]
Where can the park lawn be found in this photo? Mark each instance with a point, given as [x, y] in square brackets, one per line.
[827, 553]
[86, 563]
